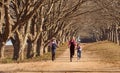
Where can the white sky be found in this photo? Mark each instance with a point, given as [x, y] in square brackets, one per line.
[9, 43]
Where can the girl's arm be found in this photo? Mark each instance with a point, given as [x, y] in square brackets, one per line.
[80, 47]
[56, 45]
[69, 44]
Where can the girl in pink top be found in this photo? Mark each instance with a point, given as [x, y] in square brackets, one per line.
[72, 44]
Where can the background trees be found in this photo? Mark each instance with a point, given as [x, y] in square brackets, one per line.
[31, 24]
[110, 13]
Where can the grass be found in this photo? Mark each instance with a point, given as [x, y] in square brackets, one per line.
[7, 60]
[45, 57]
[61, 49]
[107, 51]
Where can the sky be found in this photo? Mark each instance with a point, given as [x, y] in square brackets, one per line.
[9, 42]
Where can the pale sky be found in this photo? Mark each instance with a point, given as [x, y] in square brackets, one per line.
[9, 43]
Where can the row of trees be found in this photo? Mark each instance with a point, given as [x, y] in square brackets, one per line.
[110, 22]
[104, 24]
[33, 23]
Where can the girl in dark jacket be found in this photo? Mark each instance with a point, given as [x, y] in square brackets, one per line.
[53, 46]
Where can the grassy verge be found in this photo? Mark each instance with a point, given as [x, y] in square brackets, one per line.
[61, 49]
[107, 51]
[45, 57]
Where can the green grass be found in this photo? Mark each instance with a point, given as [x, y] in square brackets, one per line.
[107, 51]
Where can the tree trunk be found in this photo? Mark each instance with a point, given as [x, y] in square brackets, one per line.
[41, 50]
[66, 40]
[117, 38]
[115, 35]
[16, 51]
[118, 35]
[34, 49]
[21, 52]
[108, 34]
[39, 46]
[29, 49]
[16, 45]
[2, 48]
[63, 39]
[22, 47]
[112, 35]
[46, 48]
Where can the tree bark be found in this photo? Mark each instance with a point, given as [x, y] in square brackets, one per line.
[29, 49]
[34, 49]
[39, 47]
[16, 45]
[23, 42]
[118, 32]
[2, 48]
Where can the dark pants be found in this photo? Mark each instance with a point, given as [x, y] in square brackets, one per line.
[72, 52]
[79, 54]
[53, 54]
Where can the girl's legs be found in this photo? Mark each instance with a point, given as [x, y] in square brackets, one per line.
[78, 54]
[70, 54]
[53, 54]
[53, 57]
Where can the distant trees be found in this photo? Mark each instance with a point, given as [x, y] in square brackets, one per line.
[110, 21]
[104, 23]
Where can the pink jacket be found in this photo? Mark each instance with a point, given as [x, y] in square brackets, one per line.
[72, 41]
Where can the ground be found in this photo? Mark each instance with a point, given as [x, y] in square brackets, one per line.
[89, 63]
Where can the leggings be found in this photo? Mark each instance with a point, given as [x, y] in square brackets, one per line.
[71, 51]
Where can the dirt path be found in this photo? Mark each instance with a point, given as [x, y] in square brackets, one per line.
[87, 64]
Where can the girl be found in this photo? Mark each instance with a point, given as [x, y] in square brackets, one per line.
[53, 46]
[72, 44]
[79, 49]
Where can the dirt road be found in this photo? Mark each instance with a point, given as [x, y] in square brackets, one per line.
[88, 64]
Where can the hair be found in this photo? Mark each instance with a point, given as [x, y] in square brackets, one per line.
[72, 37]
[78, 44]
[53, 39]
